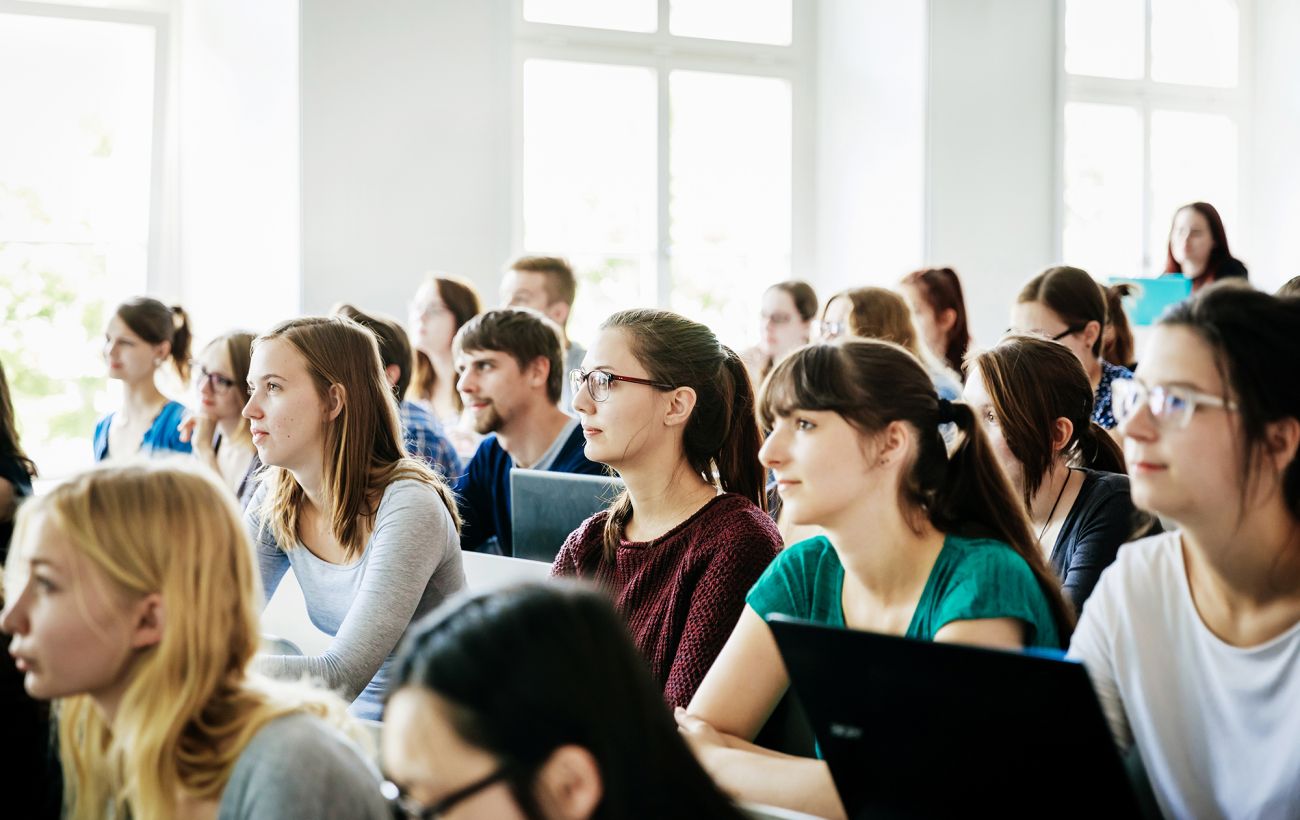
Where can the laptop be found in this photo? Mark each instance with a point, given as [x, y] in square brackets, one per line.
[1151, 296]
[915, 728]
[545, 507]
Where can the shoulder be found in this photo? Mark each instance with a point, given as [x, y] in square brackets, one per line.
[489, 458]
[587, 539]
[172, 411]
[1102, 488]
[739, 518]
[1145, 568]
[101, 426]
[1114, 371]
[406, 496]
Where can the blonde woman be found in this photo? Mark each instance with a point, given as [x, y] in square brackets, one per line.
[372, 535]
[141, 620]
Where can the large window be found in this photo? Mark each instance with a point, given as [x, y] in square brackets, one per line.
[657, 150]
[1153, 107]
[77, 161]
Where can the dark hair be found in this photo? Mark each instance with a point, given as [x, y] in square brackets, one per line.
[1251, 333]
[394, 345]
[803, 296]
[239, 349]
[1117, 346]
[721, 436]
[517, 666]
[1031, 383]
[524, 334]
[872, 384]
[10, 446]
[1290, 288]
[941, 290]
[561, 285]
[462, 300]
[1221, 264]
[1073, 295]
[156, 323]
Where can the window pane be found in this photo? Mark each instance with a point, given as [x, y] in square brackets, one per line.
[589, 180]
[730, 195]
[622, 15]
[1194, 42]
[748, 21]
[1103, 189]
[75, 168]
[1103, 38]
[1193, 158]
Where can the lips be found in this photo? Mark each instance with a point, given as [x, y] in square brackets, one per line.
[258, 434]
[591, 431]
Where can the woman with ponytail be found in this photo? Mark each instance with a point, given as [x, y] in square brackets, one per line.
[672, 410]
[1033, 399]
[917, 543]
[142, 335]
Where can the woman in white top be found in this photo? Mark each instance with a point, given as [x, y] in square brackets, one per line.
[1192, 638]
[217, 430]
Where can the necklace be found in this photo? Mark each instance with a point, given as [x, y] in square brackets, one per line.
[1048, 522]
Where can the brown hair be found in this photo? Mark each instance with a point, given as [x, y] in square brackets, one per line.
[879, 313]
[1117, 345]
[872, 384]
[462, 300]
[1073, 295]
[9, 444]
[1289, 288]
[363, 451]
[156, 323]
[1031, 383]
[394, 345]
[1221, 264]
[560, 283]
[524, 334]
[239, 349]
[721, 436]
[803, 296]
[941, 290]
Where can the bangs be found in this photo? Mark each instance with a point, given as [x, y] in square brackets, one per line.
[811, 378]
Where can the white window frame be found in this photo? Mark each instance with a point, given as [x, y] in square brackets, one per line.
[1145, 95]
[665, 52]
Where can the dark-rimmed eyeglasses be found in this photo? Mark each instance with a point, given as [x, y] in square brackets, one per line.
[1171, 405]
[598, 382]
[404, 807]
[217, 382]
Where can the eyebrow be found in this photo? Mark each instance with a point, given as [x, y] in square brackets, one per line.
[266, 376]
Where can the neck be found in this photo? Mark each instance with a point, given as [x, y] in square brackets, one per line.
[109, 700]
[141, 398]
[532, 431]
[664, 491]
[882, 550]
[1049, 492]
[1245, 565]
[233, 430]
[1093, 366]
[310, 480]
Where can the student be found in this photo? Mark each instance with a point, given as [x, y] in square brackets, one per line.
[139, 618]
[939, 313]
[1033, 399]
[442, 306]
[788, 312]
[421, 432]
[671, 409]
[1117, 339]
[531, 702]
[509, 363]
[218, 431]
[1192, 638]
[1066, 305]
[142, 334]
[547, 285]
[1198, 247]
[918, 543]
[369, 531]
[877, 313]
[16, 469]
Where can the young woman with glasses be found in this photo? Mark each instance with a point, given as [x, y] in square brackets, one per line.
[786, 321]
[1192, 638]
[671, 409]
[217, 430]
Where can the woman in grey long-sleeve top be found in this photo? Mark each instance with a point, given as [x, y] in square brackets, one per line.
[371, 534]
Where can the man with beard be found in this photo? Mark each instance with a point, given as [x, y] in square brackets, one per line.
[510, 363]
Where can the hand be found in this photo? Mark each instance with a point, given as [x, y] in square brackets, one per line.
[699, 734]
[197, 429]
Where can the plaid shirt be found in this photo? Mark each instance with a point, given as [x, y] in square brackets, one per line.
[424, 440]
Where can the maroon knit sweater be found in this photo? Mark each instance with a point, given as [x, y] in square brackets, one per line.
[682, 593]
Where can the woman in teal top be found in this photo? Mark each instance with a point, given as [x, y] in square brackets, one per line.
[918, 542]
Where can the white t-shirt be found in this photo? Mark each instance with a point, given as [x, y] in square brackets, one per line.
[1218, 726]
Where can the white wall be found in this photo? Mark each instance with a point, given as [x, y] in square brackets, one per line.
[1273, 165]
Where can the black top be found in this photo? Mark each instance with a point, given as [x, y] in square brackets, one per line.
[1101, 520]
[13, 471]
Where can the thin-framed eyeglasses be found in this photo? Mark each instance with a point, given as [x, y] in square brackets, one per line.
[404, 807]
[598, 382]
[1171, 405]
[218, 383]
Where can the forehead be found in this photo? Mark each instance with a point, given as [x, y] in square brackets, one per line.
[276, 356]
[1034, 316]
[1177, 355]
[611, 349]
[427, 294]
[44, 541]
[523, 281]
[419, 743]
[1191, 218]
[776, 299]
[117, 327]
[215, 357]
[975, 392]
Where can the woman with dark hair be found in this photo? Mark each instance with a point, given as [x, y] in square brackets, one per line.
[142, 334]
[917, 543]
[442, 305]
[16, 469]
[939, 312]
[671, 409]
[1198, 247]
[788, 312]
[1192, 638]
[1034, 402]
[1117, 338]
[218, 431]
[486, 717]
[1067, 305]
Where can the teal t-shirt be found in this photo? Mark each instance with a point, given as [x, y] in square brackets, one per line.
[972, 578]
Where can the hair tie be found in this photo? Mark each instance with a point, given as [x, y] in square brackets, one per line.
[946, 415]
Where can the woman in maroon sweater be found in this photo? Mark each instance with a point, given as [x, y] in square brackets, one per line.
[672, 410]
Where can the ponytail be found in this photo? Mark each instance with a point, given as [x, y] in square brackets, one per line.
[1098, 450]
[181, 339]
[739, 470]
[156, 323]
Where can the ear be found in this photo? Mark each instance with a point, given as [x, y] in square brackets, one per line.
[893, 442]
[149, 621]
[945, 319]
[1281, 439]
[393, 372]
[334, 401]
[1091, 331]
[1062, 429]
[162, 351]
[558, 312]
[681, 403]
[569, 783]
[538, 372]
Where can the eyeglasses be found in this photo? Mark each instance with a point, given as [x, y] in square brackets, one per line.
[406, 808]
[1069, 331]
[598, 382]
[426, 312]
[831, 330]
[777, 319]
[218, 383]
[1172, 405]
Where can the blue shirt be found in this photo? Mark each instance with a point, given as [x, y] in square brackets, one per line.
[1101, 412]
[161, 438]
[483, 492]
[424, 440]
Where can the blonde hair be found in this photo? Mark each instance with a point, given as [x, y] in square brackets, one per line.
[191, 706]
[878, 313]
[364, 450]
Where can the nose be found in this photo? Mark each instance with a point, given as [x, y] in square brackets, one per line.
[465, 382]
[1141, 426]
[205, 386]
[773, 452]
[12, 619]
[582, 401]
[251, 409]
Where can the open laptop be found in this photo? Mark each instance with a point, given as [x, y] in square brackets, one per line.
[545, 507]
[921, 729]
[1150, 297]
